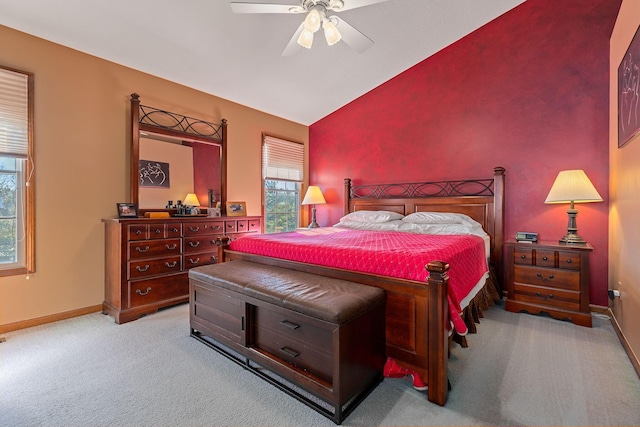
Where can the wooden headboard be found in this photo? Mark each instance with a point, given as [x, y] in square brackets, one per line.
[480, 199]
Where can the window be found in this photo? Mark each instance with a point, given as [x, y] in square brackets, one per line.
[17, 254]
[282, 173]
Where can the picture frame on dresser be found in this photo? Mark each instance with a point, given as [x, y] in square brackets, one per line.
[127, 210]
[236, 208]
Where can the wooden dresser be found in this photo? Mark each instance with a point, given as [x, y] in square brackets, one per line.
[549, 277]
[147, 260]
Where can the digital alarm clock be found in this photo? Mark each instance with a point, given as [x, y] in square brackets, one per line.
[525, 236]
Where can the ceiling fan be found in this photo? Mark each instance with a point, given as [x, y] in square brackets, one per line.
[335, 29]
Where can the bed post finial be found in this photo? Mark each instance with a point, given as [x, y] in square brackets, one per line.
[347, 194]
[438, 380]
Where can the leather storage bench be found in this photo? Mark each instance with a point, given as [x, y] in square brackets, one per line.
[322, 340]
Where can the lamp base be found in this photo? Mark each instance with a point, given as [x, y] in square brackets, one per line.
[572, 239]
[313, 225]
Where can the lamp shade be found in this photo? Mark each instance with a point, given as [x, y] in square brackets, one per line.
[573, 186]
[191, 200]
[313, 196]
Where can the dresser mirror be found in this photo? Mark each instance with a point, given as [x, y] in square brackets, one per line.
[173, 155]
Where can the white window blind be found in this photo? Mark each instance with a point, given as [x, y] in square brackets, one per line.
[282, 159]
[14, 114]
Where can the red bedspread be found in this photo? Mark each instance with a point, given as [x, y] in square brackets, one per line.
[386, 253]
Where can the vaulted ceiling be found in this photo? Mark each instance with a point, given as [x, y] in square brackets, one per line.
[203, 45]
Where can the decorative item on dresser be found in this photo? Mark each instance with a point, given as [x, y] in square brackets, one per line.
[549, 277]
[147, 260]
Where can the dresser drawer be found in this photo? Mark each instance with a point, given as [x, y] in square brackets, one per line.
[295, 339]
[200, 244]
[204, 228]
[154, 248]
[196, 259]
[230, 226]
[548, 277]
[254, 225]
[150, 291]
[559, 298]
[146, 268]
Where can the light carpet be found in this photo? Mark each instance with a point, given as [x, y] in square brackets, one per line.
[519, 370]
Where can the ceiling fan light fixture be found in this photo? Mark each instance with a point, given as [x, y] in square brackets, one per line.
[313, 20]
[331, 33]
[306, 39]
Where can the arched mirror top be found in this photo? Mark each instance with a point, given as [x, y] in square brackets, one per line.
[191, 150]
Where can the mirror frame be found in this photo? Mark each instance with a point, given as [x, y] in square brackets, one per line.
[142, 120]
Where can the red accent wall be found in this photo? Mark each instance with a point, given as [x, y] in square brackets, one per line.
[528, 91]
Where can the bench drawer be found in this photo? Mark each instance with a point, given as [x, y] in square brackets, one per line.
[298, 340]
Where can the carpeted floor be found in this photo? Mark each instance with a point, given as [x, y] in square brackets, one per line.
[519, 370]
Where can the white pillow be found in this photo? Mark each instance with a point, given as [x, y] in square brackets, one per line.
[371, 216]
[440, 218]
[392, 225]
[441, 228]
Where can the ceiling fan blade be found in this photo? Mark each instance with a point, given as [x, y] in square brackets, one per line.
[354, 38]
[353, 4]
[293, 46]
[241, 7]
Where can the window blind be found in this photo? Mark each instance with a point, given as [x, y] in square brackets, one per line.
[282, 159]
[14, 114]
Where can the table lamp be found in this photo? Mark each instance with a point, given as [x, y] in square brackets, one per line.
[313, 197]
[191, 200]
[572, 186]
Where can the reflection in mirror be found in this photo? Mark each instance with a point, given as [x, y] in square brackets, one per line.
[169, 169]
[174, 155]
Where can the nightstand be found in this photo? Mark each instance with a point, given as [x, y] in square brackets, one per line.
[549, 277]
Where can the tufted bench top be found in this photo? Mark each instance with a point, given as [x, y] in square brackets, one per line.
[333, 300]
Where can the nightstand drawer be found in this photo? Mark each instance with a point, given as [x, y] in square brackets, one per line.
[545, 258]
[570, 260]
[548, 277]
[523, 256]
[569, 300]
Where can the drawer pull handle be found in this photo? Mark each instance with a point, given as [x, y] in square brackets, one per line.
[158, 231]
[194, 244]
[523, 256]
[217, 227]
[142, 269]
[287, 350]
[171, 265]
[289, 325]
[172, 247]
[544, 297]
[197, 260]
[138, 232]
[194, 228]
[568, 261]
[544, 258]
[175, 230]
[139, 292]
[544, 279]
[139, 249]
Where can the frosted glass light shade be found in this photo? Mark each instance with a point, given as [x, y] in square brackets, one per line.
[331, 33]
[312, 21]
[306, 39]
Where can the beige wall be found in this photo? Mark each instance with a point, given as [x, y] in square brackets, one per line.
[624, 187]
[82, 164]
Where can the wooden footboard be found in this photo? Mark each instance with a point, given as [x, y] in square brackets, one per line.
[417, 316]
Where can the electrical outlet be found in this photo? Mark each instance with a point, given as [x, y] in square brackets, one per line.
[616, 293]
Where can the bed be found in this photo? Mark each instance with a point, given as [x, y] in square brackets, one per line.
[419, 318]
